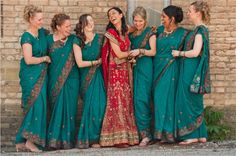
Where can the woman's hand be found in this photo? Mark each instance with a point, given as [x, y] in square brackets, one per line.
[99, 61]
[175, 53]
[134, 53]
[46, 59]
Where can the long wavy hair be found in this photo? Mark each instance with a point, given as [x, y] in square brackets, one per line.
[79, 28]
[124, 27]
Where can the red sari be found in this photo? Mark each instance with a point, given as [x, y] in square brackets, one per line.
[119, 123]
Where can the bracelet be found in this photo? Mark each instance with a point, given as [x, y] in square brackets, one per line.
[91, 63]
[142, 52]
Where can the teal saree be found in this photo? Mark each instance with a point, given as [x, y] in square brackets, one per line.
[63, 88]
[142, 77]
[194, 81]
[93, 95]
[33, 81]
[166, 73]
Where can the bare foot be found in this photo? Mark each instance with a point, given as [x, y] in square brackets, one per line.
[20, 147]
[32, 147]
[144, 142]
[188, 141]
[95, 146]
[202, 140]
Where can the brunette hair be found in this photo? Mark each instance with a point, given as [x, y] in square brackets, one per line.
[124, 27]
[58, 20]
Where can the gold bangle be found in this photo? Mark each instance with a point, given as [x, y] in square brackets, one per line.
[142, 52]
[91, 63]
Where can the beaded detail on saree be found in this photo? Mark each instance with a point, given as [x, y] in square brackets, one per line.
[190, 128]
[55, 143]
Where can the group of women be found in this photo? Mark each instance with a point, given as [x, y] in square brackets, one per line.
[117, 76]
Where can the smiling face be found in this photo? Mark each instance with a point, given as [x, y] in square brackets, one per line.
[36, 20]
[139, 22]
[114, 16]
[165, 20]
[193, 14]
[65, 28]
[90, 24]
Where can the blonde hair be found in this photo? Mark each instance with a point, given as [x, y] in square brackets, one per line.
[30, 11]
[141, 12]
[203, 7]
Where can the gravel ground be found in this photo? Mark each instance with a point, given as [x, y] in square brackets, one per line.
[225, 148]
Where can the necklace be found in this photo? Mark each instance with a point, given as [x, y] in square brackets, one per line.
[167, 33]
[33, 34]
[63, 40]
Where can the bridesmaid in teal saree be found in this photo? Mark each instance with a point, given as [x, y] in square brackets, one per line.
[166, 73]
[194, 79]
[33, 81]
[87, 49]
[143, 46]
[63, 85]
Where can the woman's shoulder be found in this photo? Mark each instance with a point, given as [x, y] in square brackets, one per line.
[160, 29]
[112, 31]
[26, 37]
[202, 29]
[44, 31]
[26, 34]
[77, 40]
[182, 30]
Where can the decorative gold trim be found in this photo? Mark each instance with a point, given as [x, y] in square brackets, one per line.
[62, 78]
[34, 138]
[111, 139]
[58, 144]
[112, 38]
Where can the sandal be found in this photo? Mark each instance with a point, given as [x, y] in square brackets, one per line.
[144, 142]
[188, 142]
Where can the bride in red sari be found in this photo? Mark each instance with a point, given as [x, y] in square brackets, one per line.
[118, 127]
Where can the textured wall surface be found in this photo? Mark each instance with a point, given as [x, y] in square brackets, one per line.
[222, 37]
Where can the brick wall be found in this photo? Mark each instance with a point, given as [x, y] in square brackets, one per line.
[12, 27]
[222, 35]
